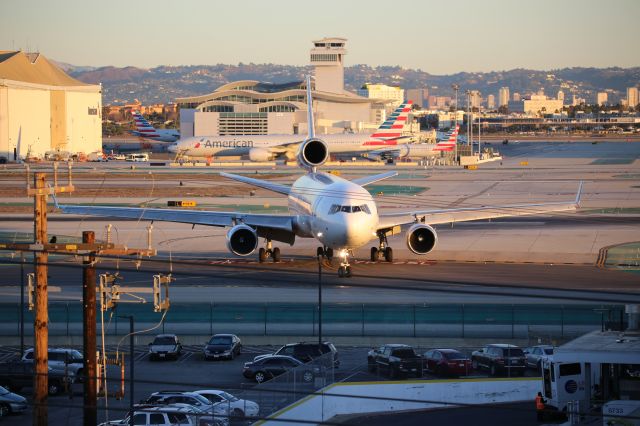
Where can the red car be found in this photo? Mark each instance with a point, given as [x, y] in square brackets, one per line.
[447, 362]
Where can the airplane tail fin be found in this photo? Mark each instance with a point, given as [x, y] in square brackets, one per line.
[143, 127]
[449, 142]
[310, 123]
[392, 127]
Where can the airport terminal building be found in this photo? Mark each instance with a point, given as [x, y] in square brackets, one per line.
[250, 107]
[43, 109]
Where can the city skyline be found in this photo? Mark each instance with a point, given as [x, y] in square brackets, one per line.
[500, 35]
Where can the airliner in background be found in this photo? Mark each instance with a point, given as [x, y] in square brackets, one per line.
[416, 150]
[271, 147]
[340, 214]
[144, 129]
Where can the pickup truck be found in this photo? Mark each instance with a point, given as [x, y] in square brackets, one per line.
[396, 360]
[16, 375]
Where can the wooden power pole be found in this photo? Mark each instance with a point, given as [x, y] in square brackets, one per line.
[89, 332]
[41, 249]
[40, 325]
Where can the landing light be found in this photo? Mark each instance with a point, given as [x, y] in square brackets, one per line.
[319, 234]
[343, 253]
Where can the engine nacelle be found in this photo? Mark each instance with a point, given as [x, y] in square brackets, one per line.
[421, 238]
[312, 153]
[242, 240]
[260, 154]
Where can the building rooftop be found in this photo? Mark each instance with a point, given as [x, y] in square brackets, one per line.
[34, 68]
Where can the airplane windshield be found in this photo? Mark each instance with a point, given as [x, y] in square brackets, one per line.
[335, 208]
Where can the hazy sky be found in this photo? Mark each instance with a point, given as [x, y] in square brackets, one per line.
[440, 37]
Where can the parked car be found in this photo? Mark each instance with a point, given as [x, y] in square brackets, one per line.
[61, 359]
[222, 346]
[306, 351]
[271, 366]
[178, 414]
[396, 360]
[11, 403]
[165, 346]
[16, 375]
[236, 406]
[499, 358]
[116, 157]
[447, 362]
[535, 354]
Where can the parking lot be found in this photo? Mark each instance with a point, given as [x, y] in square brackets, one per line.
[191, 372]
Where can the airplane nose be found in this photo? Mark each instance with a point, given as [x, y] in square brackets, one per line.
[173, 148]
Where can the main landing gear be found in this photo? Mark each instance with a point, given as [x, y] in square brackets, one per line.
[326, 252]
[268, 252]
[383, 249]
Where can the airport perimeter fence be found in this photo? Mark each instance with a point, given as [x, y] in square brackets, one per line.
[518, 321]
[283, 390]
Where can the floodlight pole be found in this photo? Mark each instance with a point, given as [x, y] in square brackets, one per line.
[320, 303]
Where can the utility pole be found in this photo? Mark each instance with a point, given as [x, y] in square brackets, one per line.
[89, 332]
[40, 324]
[41, 248]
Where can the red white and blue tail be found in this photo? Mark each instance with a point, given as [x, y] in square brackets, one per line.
[389, 132]
[143, 127]
[449, 142]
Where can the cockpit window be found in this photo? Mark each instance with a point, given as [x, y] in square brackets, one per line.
[335, 208]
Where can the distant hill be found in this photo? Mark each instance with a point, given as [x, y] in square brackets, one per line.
[166, 83]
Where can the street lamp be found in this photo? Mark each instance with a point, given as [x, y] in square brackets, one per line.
[456, 88]
[320, 303]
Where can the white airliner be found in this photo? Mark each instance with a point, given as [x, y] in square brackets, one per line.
[416, 150]
[144, 129]
[270, 147]
[340, 214]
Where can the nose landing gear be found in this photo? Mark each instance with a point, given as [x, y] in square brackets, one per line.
[268, 252]
[344, 270]
[383, 249]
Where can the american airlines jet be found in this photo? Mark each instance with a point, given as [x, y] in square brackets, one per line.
[144, 129]
[270, 147]
[340, 214]
[416, 150]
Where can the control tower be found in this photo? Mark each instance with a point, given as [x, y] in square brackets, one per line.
[327, 56]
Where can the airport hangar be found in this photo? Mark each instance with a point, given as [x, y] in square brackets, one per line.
[43, 109]
[249, 107]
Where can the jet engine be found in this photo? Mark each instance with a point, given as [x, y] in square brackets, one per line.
[312, 153]
[421, 238]
[260, 154]
[242, 240]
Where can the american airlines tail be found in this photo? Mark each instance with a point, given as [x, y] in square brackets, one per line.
[390, 131]
[146, 130]
[449, 142]
[143, 127]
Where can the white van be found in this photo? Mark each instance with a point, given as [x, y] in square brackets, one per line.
[137, 157]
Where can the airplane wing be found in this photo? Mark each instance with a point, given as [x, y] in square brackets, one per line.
[364, 181]
[465, 214]
[196, 217]
[275, 187]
